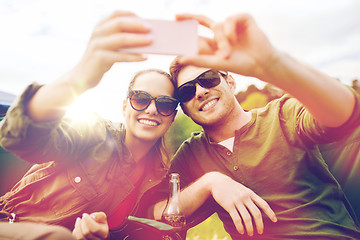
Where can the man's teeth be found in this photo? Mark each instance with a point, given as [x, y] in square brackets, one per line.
[209, 104]
[148, 122]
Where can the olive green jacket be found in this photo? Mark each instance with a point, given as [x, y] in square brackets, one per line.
[79, 166]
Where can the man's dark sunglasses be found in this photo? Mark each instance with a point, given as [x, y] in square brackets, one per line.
[208, 79]
[140, 100]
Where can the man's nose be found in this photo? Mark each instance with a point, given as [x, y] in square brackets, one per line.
[200, 91]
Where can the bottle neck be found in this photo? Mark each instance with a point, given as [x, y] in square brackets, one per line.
[174, 190]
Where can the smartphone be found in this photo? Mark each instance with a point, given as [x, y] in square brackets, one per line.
[170, 38]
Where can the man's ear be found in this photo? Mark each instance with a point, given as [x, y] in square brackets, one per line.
[231, 82]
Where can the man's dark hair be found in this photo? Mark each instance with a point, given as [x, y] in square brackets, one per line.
[174, 69]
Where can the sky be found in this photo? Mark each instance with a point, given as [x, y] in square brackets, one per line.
[41, 39]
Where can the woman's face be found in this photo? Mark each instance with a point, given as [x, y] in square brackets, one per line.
[148, 124]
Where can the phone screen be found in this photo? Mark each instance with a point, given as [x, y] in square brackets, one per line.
[170, 38]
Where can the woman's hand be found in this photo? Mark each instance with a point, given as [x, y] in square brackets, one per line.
[117, 31]
[93, 227]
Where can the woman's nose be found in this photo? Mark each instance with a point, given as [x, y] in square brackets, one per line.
[151, 109]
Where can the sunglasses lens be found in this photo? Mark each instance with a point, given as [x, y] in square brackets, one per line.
[187, 92]
[166, 106]
[139, 101]
[208, 79]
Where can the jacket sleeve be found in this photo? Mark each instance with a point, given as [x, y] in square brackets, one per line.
[57, 140]
[299, 121]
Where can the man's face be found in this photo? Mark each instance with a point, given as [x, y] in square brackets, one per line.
[209, 105]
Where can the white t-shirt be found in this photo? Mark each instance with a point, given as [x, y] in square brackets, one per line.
[228, 143]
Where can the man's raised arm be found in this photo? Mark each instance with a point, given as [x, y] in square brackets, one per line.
[241, 47]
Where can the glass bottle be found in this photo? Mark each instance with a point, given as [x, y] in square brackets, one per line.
[173, 214]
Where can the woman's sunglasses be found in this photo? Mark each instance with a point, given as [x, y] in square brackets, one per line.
[140, 100]
[208, 79]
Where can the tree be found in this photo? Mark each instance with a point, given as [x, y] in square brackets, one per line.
[179, 131]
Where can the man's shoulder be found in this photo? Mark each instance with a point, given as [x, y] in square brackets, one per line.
[195, 140]
[280, 106]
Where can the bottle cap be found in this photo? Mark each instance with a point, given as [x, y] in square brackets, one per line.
[174, 177]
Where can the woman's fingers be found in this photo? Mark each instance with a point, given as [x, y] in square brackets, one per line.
[99, 217]
[121, 24]
[91, 227]
[116, 14]
[77, 230]
[203, 20]
[118, 41]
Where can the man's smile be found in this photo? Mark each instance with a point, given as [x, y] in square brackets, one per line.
[208, 105]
